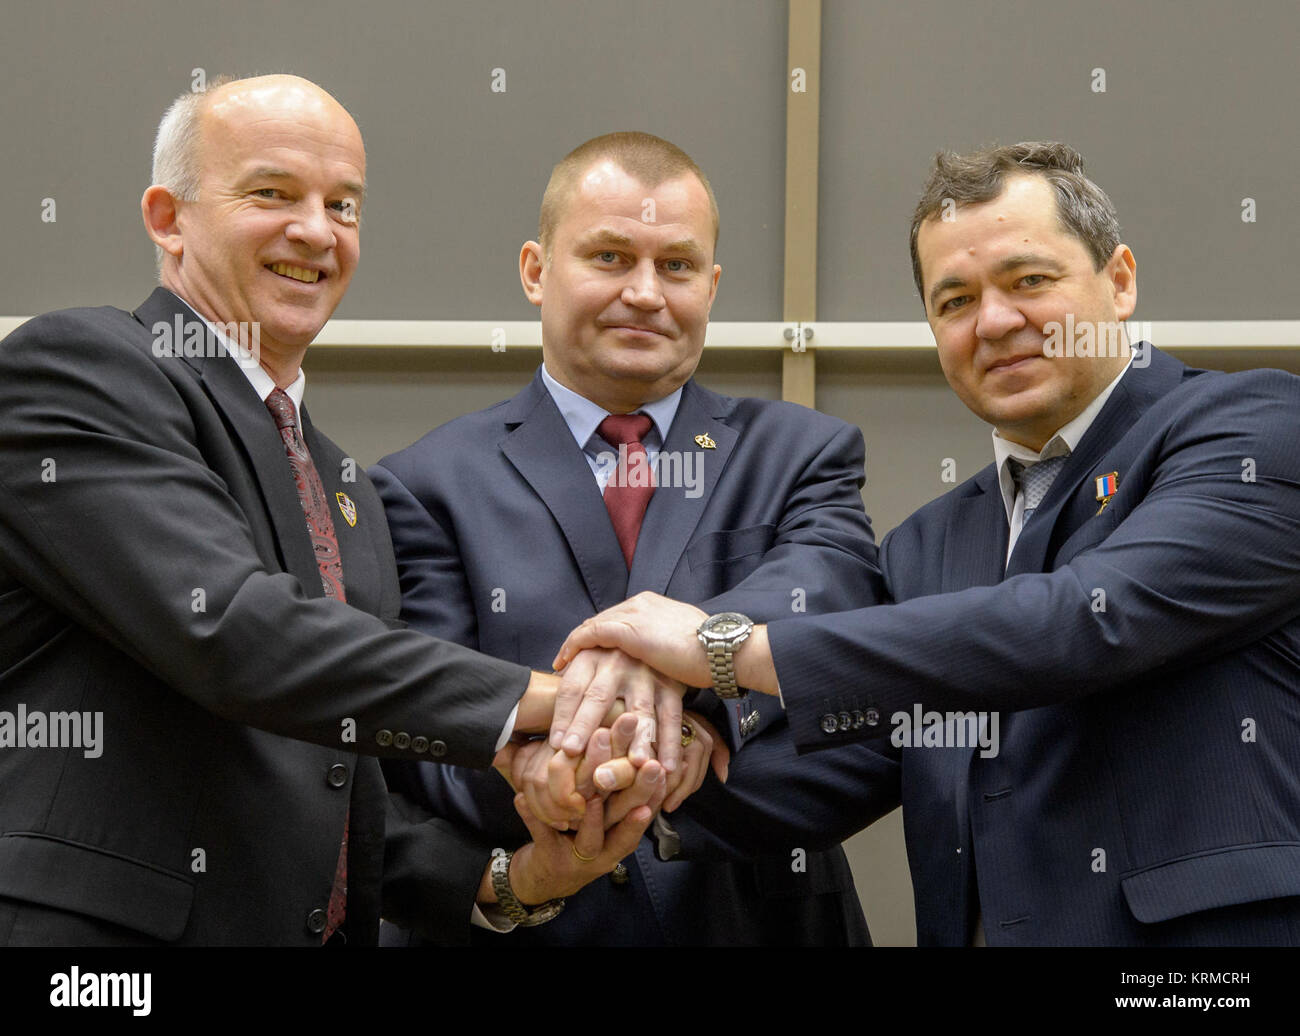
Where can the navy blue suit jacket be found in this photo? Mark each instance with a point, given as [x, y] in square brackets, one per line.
[503, 542]
[1145, 660]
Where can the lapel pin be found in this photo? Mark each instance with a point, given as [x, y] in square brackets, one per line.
[1106, 488]
[348, 508]
[705, 443]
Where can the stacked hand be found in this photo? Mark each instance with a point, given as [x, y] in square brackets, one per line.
[609, 785]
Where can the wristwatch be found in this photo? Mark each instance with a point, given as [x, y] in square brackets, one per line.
[721, 634]
[509, 902]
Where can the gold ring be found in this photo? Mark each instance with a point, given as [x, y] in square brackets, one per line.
[688, 734]
[581, 858]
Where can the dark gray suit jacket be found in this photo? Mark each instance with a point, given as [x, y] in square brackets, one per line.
[155, 567]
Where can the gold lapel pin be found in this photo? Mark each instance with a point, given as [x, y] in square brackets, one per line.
[347, 507]
[1107, 486]
[705, 443]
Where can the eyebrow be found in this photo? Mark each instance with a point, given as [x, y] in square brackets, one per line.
[1008, 264]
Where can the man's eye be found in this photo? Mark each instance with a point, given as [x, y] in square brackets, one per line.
[607, 257]
[956, 302]
[677, 266]
[266, 192]
[1032, 280]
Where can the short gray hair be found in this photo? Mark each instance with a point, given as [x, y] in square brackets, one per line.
[176, 164]
[1082, 207]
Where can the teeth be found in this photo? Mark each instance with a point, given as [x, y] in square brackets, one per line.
[296, 272]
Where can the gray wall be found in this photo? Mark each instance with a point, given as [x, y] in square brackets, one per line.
[1198, 113]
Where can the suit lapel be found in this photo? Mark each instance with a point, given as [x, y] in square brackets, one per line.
[356, 547]
[672, 516]
[540, 446]
[1137, 390]
[975, 546]
[253, 427]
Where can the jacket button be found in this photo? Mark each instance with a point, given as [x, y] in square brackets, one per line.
[316, 922]
[846, 721]
[384, 738]
[859, 720]
[419, 744]
[437, 749]
[337, 775]
[873, 718]
[619, 875]
[402, 739]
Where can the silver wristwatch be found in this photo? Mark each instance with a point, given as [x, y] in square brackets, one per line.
[509, 902]
[721, 634]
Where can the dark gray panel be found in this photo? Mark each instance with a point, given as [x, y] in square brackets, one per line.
[456, 171]
[1199, 112]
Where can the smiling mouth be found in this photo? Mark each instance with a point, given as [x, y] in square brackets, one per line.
[1013, 362]
[296, 273]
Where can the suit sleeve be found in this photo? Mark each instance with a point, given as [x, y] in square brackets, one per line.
[1205, 563]
[109, 512]
[436, 812]
[824, 559]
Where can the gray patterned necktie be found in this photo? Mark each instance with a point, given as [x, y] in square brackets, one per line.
[1034, 480]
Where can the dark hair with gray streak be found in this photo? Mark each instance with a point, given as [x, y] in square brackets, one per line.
[1082, 206]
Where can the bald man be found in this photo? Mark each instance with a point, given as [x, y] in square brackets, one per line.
[198, 602]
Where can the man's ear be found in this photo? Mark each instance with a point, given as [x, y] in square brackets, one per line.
[1122, 271]
[532, 271]
[159, 208]
[713, 288]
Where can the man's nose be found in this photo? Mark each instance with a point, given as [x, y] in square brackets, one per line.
[312, 226]
[998, 316]
[641, 289]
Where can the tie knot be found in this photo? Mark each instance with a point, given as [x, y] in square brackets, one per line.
[282, 409]
[622, 429]
[1034, 480]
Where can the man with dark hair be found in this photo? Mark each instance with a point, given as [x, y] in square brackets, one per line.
[615, 472]
[1093, 664]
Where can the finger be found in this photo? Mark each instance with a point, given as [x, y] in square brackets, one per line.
[615, 775]
[648, 789]
[621, 734]
[541, 834]
[569, 697]
[720, 758]
[561, 787]
[598, 752]
[622, 839]
[695, 759]
[590, 837]
[593, 700]
[536, 786]
[668, 704]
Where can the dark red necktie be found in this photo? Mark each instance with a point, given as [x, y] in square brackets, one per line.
[628, 492]
[320, 526]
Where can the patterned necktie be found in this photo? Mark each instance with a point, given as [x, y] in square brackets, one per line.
[1034, 480]
[320, 526]
[629, 489]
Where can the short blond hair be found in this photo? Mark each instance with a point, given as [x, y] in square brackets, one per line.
[650, 159]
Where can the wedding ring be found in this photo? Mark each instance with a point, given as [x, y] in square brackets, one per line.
[581, 858]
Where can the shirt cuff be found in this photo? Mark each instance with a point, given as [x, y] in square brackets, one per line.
[508, 729]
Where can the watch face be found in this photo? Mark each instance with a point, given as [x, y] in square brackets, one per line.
[726, 626]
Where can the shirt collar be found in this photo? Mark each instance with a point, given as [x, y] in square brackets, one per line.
[1063, 442]
[583, 416]
[263, 384]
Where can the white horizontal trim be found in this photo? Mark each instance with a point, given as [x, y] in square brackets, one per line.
[740, 334]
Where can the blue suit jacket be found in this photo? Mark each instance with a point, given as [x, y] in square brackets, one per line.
[1145, 660]
[503, 542]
